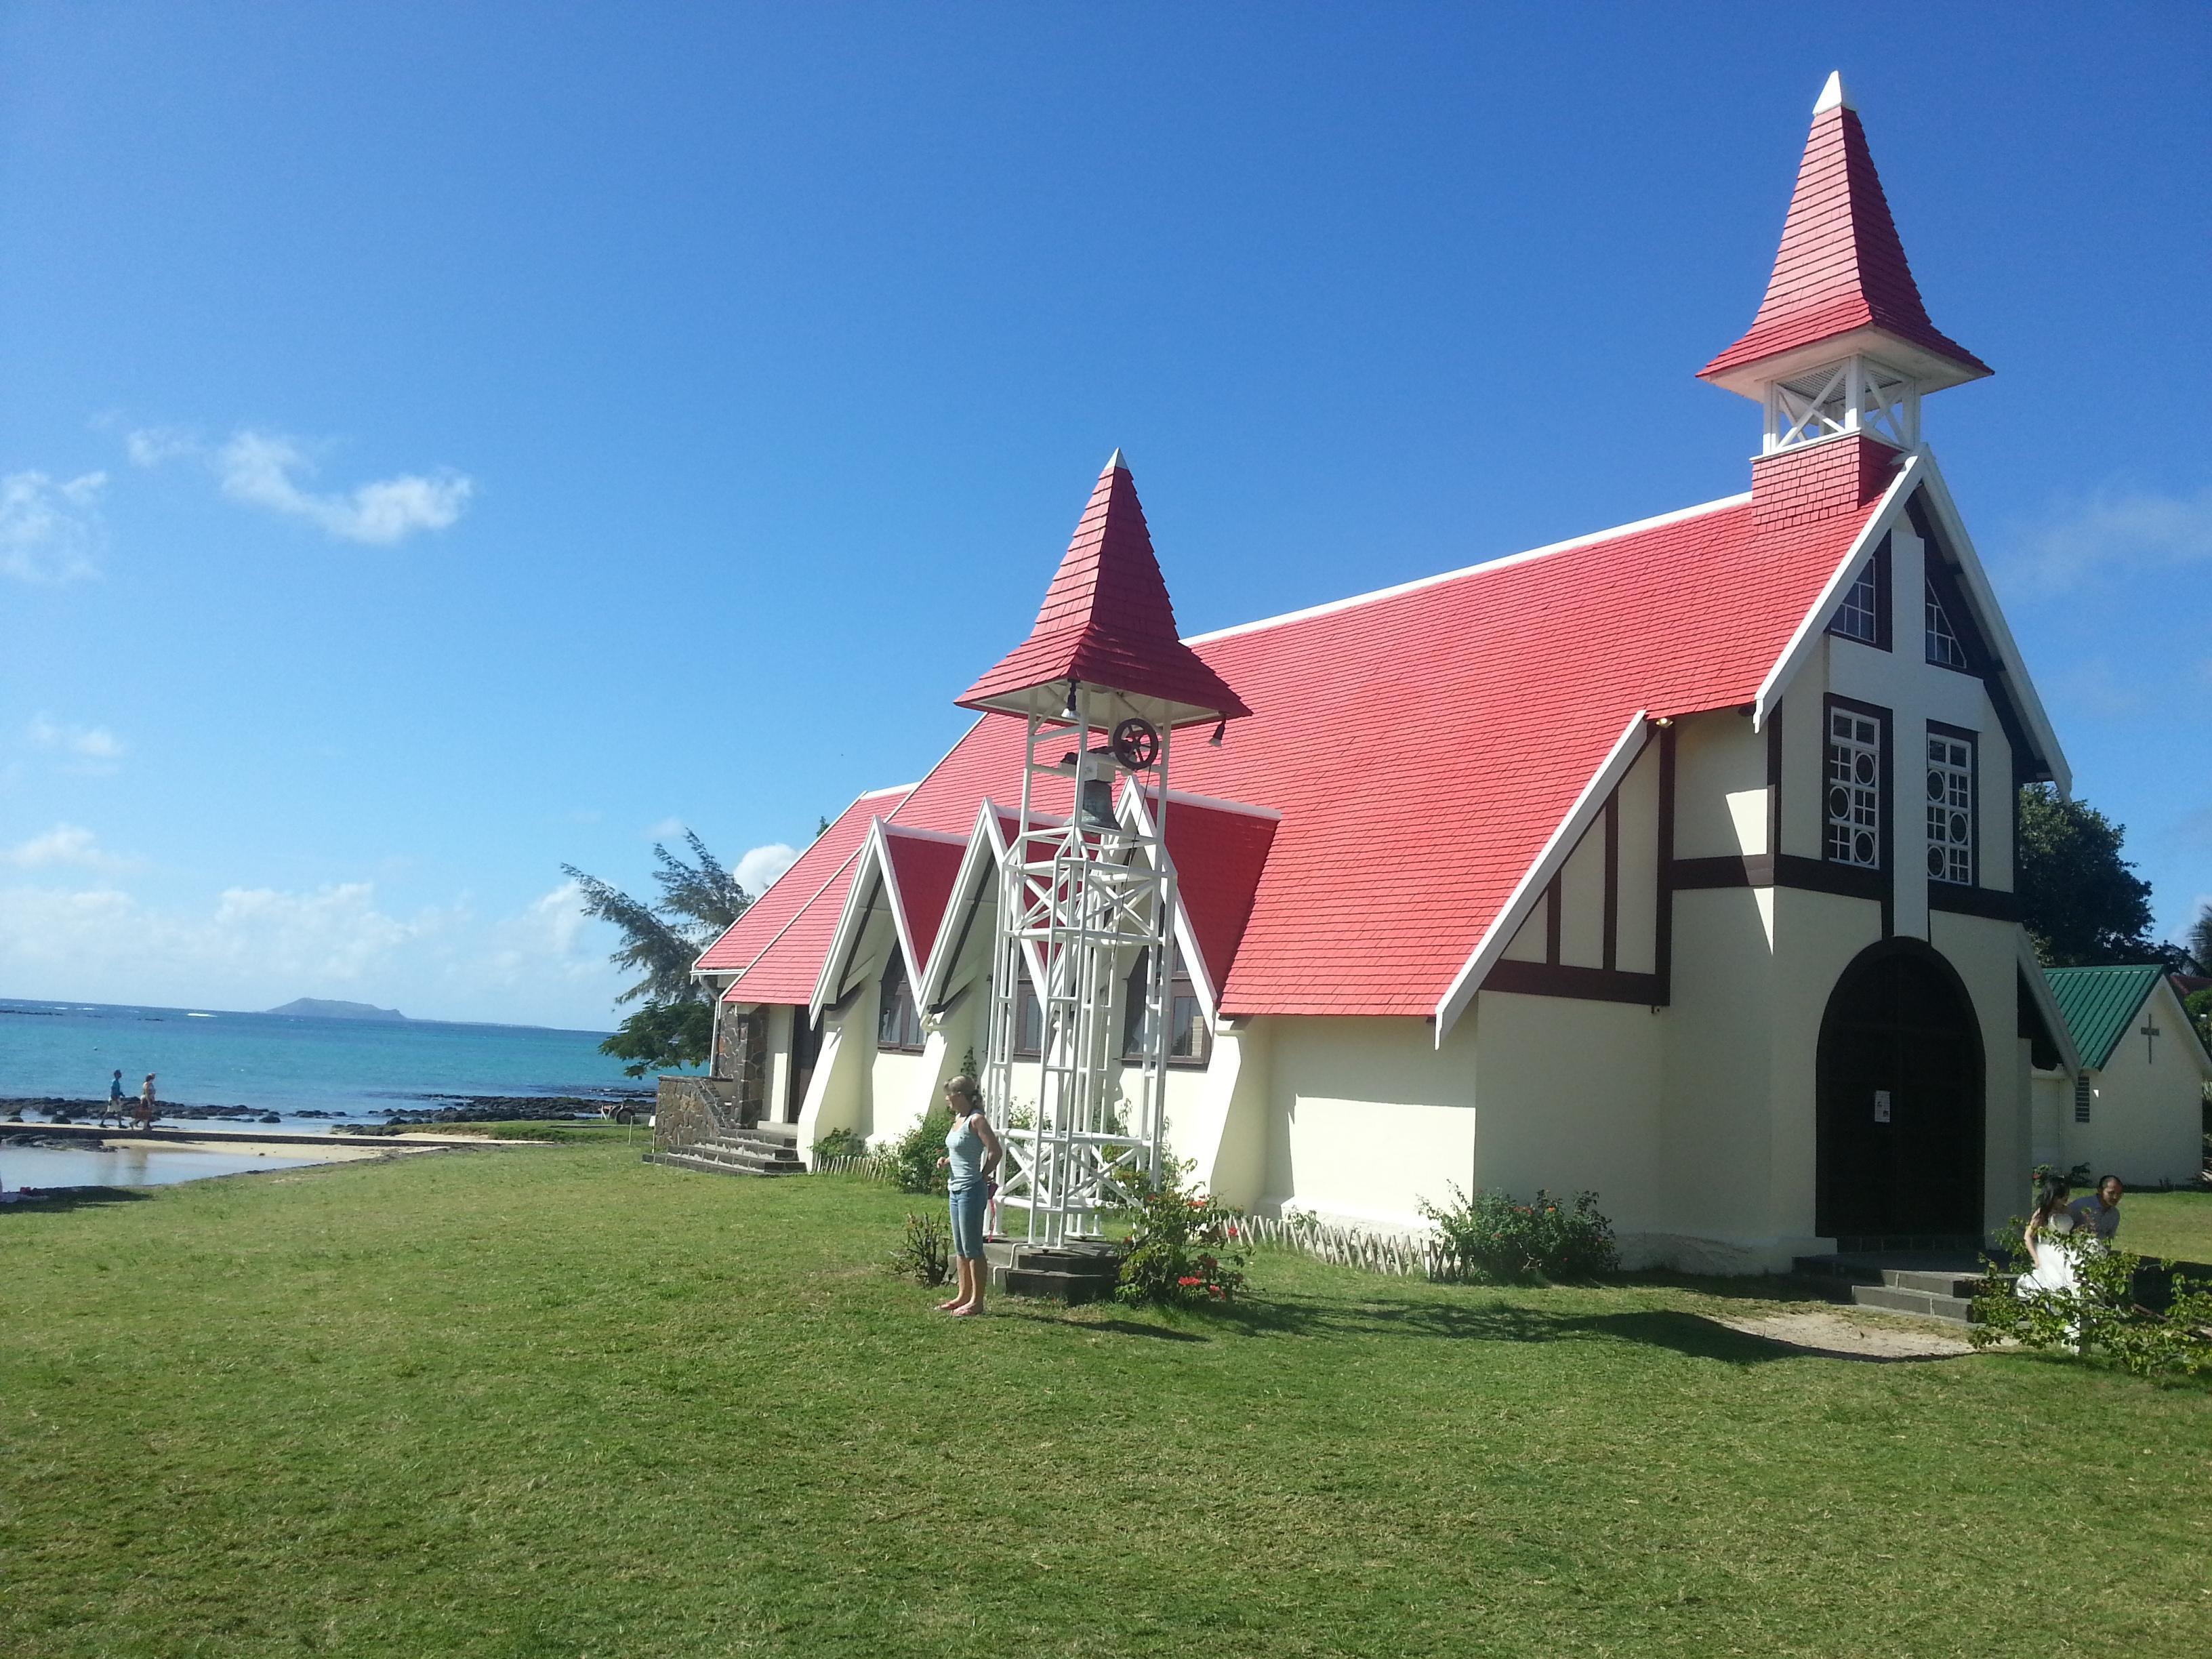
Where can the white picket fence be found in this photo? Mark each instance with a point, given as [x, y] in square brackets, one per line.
[1402, 1256]
[875, 1166]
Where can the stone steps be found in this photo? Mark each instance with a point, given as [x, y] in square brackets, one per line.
[1069, 1273]
[750, 1153]
[1925, 1285]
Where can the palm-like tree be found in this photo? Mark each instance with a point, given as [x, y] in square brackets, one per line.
[660, 941]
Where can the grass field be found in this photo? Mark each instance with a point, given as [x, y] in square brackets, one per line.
[2178, 1225]
[555, 1401]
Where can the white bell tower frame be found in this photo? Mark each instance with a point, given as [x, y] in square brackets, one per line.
[1858, 394]
[1080, 899]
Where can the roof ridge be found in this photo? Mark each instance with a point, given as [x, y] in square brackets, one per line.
[1657, 521]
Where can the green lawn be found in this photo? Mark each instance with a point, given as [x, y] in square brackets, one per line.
[2178, 1225]
[553, 1401]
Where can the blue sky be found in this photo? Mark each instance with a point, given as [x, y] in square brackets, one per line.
[440, 442]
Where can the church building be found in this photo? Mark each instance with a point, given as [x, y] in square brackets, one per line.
[1674, 861]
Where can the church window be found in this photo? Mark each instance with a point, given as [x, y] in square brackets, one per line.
[1864, 614]
[1950, 808]
[1187, 1038]
[1945, 649]
[1028, 1023]
[898, 1021]
[1854, 793]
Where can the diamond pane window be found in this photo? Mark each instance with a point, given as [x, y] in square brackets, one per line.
[1854, 802]
[1943, 646]
[1859, 616]
[1950, 810]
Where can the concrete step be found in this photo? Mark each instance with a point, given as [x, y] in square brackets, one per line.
[1058, 1286]
[1926, 1304]
[717, 1161]
[775, 1152]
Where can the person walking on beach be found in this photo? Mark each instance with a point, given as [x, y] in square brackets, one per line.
[971, 1156]
[115, 1107]
[146, 1110]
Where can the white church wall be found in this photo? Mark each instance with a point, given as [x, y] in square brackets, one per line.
[1239, 1078]
[2052, 1102]
[778, 1077]
[1366, 1117]
[1636, 925]
[1531, 941]
[1720, 787]
[2146, 1117]
[1986, 956]
[1567, 1094]
[1581, 902]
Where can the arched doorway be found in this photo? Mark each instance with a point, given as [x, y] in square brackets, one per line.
[1900, 1100]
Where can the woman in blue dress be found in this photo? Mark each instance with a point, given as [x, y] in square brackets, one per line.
[971, 1157]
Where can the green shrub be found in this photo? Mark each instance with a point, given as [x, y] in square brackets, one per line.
[927, 1250]
[914, 1160]
[2100, 1313]
[1492, 1239]
[1186, 1249]
[840, 1143]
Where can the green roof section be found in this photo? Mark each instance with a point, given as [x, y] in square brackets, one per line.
[2099, 1003]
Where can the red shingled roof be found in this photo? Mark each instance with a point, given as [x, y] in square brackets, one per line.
[1219, 849]
[1422, 743]
[1841, 266]
[820, 871]
[1107, 620]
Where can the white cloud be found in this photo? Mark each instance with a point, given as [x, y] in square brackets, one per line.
[65, 844]
[263, 469]
[666, 829]
[50, 528]
[2118, 531]
[93, 750]
[269, 469]
[150, 446]
[763, 865]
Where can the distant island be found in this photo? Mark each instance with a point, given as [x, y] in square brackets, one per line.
[320, 1008]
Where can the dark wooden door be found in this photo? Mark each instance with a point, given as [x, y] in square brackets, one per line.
[805, 1044]
[1901, 1101]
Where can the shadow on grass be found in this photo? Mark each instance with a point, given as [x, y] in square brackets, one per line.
[49, 1201]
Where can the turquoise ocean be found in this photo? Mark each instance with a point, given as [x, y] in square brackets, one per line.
[215, 1057]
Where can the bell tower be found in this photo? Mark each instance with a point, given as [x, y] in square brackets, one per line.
[1842, 345]
[1103, 683]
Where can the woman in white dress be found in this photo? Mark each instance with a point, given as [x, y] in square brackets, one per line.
[2052, 1274]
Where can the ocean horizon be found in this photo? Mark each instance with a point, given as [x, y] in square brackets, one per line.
[289, 1063]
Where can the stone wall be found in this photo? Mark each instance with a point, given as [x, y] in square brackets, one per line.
[688, 1111]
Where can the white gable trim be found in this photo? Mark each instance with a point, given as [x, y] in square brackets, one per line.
[851, 914]
[2046, 1003]
[1814, 622]
[1331, 607]
[987, 850]
[2012, 668]
[1522, 899]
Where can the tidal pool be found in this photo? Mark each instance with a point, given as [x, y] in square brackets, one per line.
[157, 1164]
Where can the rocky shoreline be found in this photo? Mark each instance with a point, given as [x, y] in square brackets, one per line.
[391, 1120]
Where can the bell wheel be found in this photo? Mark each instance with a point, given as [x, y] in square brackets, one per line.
[1136, 744]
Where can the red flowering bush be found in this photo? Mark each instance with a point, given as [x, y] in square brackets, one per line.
[1185, 1249]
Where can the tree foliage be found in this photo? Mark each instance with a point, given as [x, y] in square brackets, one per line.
[660, 941]
[662, 1035]
[2082, 903]
[2200, 939]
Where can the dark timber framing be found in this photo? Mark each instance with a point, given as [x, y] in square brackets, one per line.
[1610, 983]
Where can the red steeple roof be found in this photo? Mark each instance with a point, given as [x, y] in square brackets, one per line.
[1841, 283]
[1107, 622]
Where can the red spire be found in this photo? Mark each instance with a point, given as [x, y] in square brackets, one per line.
[1108, 622]
[1840, 282]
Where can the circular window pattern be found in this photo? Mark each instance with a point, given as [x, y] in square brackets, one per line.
[1862, 768]
[1958, 828]
[1839, 803]
[1863, 847]
[1935, 860]
[1934, 786]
